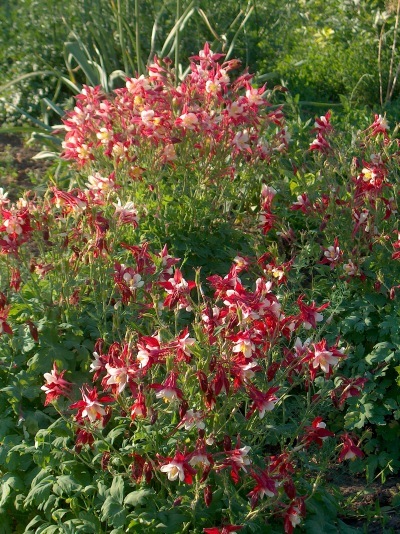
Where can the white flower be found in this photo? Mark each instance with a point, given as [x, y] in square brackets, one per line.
[118, 376]
[174, 470]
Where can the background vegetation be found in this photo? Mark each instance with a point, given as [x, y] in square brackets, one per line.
[322, 51]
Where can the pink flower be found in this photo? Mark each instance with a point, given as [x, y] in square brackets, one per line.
[322, 124]
[303, 204]
[117, 376]
[320, 144]
[316, 433]
[227, 529]
[349, 387]
[178, 468]
[168, 389]
[293, 515]
[192, 419]
[5, 328]
[182, 345]
[127, 213]
[323, 357]
[266, 486]
[149, 351]
[242, 343]
[237, 459]
[332, 254]
[189, 121]
[380, 125]
[90, 406]
[138, 408]
[55, 385]
[310, 315]
[349, 449]
[178, 289]
[241, 141]
[263, 402]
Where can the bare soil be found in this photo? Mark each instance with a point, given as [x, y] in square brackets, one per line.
[17, 166]
[373, 508]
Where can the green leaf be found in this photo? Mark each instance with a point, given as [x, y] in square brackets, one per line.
[113, 513]
[381, 352]
[372, 464]
[9, 482]
[41, 488]
[117, 489]
[136, 498]
[115, 433]
[67, 485]
[171, 523]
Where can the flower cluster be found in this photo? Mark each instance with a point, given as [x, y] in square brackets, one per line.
[187, 385]
[153, 122]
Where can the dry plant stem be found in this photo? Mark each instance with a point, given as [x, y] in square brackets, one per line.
[393, 79]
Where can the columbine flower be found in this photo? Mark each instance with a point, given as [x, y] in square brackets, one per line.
[320, 144]
[147, 117]
[349, 387]
[55, 385]
[100, 185]
[310, 315]
[3, 196]
[90, 406]
[332, 254]
[350, 269]
[380, 125]
[132, 279]
[118, 376]
[192, 419]
[237, 459]
[227, 529]
[104, 135]
[266, 486]
[263, 402]
[168, 390]
[316, 433]
[183, 342]
[293, 515]
[149, 351]
[97, 363]
[324, 358]
[242, 343]
[349, 449]
[188, 121]
[323, 125]
[178, 467]
[138, 408]
[178, 289]
[241, 141]
[254, 96]
[127, 214]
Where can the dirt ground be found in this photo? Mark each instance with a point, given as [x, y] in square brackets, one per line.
[17, 166]
[372, 508]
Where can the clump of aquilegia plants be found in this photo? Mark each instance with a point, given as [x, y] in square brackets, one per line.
[201, 407]
[219, 418]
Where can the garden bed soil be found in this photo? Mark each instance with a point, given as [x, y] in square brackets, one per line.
[17, 165]
[369, 507]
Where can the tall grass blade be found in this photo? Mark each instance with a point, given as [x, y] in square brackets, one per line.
[178, 26]
[242, 25]
[75, 51]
